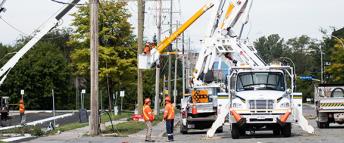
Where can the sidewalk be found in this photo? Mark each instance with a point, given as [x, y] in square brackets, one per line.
[70, 136]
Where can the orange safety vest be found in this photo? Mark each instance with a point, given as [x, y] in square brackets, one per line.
[147, 113]
[21, 108]
[169, 111]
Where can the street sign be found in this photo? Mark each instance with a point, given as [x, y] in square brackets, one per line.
[22, 92]
[83, 91]
[122, 94]
[306, 77]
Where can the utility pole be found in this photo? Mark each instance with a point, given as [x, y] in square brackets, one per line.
[94, 116]
[169, 56]
[140, 27]
[183, 66]
[175, 72]
[157, 69]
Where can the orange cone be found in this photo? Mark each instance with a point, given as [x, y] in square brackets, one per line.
[194, 109]
[235, 115]
[284, 117]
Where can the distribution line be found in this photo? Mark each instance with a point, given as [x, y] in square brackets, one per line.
[13, 27]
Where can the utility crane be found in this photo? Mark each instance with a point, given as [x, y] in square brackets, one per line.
[259, 95]
[5, 70]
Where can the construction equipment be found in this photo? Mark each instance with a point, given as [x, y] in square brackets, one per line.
[199, 110]
[329, 104]
[222, 43]
[51, 24]
[262, 98]
[2, 9]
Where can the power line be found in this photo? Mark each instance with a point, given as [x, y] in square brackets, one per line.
[61, 2]
[13, 27]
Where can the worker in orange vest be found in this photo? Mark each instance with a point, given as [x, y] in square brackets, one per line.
[169, 117]
[147, 49]
[21, 110]
[148, 118]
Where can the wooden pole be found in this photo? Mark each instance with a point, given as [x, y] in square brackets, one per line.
[140, 27]
[94, 119]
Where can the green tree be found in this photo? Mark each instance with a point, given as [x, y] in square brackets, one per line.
[117, 51]
[42, 69]
[270, 48]
[336, 69]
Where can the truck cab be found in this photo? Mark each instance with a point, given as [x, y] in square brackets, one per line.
[260, 100]
[329, 104]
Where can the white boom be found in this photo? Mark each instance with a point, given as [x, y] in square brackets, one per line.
[52, 23]
[222, 43]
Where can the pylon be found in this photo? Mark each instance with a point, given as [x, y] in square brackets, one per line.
[194, 109]
[284, 117]
[235, 115]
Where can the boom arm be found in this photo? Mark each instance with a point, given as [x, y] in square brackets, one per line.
[50, 25]
[224, 45]
[147, 61]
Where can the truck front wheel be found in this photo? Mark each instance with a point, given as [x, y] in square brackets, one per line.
[286, 130]
[235, 131]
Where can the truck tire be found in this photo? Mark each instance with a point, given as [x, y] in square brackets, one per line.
[183, 129]
[322, 124]
[286, 130]
[220, 130]
[235, 131]
[276, 132]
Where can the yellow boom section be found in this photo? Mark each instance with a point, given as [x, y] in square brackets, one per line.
[166, 42]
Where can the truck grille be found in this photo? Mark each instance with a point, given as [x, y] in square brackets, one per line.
[261, 104]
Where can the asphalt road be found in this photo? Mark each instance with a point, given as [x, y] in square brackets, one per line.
[334, 134]
[30, 117]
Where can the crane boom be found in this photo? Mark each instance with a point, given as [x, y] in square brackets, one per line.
[147, 61]
[49, 26]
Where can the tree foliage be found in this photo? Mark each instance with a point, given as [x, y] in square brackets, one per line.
[42, 69]
[117, 51]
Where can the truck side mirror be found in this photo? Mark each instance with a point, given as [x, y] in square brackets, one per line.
[232, 92]
[288, 91]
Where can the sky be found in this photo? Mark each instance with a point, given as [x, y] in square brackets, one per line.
[288, 18]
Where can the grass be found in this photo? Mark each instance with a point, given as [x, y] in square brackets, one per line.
[33, 130]
[105, 117]
[130, 127]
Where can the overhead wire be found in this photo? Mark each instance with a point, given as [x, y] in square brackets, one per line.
[13, 27]
[61, 2]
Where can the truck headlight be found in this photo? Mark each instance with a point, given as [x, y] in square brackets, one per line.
[285, 105]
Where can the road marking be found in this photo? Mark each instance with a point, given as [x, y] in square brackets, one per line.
[34, 123]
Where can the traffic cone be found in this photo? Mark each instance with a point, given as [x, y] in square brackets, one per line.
[235, 115]
[194, 109]
[284, 117]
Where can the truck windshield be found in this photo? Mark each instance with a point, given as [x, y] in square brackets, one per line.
[260, 81]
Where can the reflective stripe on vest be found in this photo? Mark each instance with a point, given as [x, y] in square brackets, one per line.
[21, 108]
[169, 111]
[146, 114]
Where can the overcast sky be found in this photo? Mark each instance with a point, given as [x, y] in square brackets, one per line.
[289, 18]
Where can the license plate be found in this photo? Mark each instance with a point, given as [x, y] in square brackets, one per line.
[260, 117]
[339, 115]
[191, 126]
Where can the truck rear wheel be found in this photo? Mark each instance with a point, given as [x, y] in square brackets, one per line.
[322, 125]
[220, 130]
[286, 130]
[235, 131]
[183, 129]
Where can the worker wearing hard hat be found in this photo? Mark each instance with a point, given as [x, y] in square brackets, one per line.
[21, 110]
[148, 118]
[169, 117]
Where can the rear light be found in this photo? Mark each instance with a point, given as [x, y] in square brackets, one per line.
[184, 114]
